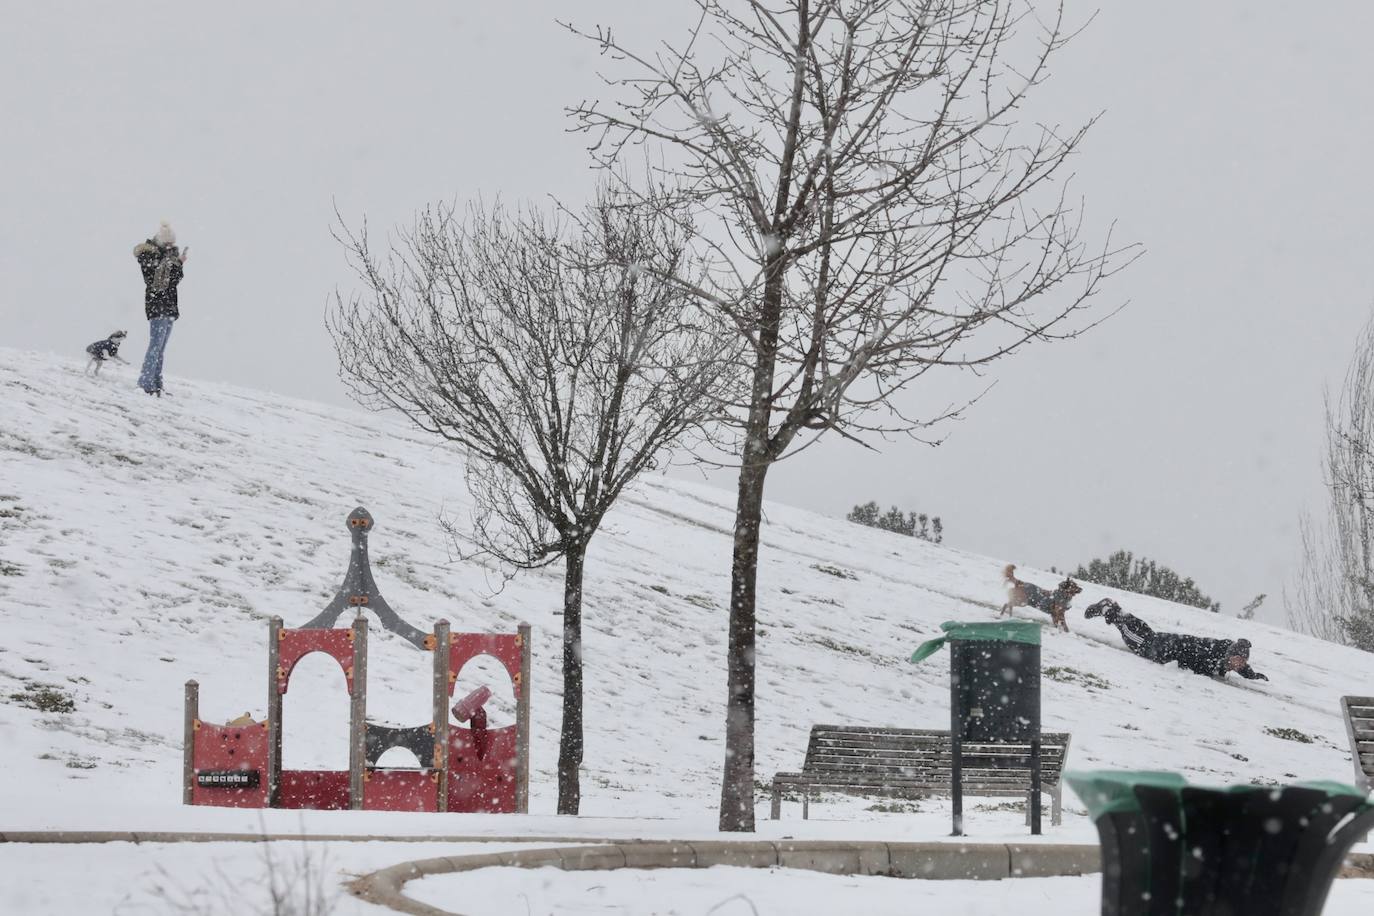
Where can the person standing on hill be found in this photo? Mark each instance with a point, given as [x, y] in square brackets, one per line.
[1198, 654]
[162, 264]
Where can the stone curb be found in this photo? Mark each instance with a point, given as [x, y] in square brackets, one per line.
[1053, 860]
[960, 861]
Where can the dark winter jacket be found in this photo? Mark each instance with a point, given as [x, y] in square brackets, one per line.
[161, 273]
[105, 349]
[1198, 654]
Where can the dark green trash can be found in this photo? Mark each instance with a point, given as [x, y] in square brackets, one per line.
[994, 695]
[1181, 850]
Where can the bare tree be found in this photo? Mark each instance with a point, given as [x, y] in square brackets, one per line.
[871, 211]
[551, 352]
[1333, 595]
[1248, 612]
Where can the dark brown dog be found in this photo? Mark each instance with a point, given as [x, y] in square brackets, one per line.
[1055, 603]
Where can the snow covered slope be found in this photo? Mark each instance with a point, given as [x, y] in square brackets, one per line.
[145, 542]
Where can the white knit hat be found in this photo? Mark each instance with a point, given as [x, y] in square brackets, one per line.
[165, 236]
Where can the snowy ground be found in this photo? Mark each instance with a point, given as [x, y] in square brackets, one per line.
[723, 891]
[199, 879]
[216, 878]
[145, 542]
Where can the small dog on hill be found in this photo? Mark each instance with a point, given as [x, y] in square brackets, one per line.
[105, 349]
[1055, 603]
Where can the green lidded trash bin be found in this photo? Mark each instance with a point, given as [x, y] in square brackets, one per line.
[994, 683]
[1171, 849]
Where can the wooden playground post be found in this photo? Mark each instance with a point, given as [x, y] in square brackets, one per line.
[274, 708]
[188, 742]
[522, 725]
[441, 698]
[357, 727]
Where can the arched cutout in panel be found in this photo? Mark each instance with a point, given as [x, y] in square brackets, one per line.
[399, 758]
[315, 714]
[486, 671]
[399, 681]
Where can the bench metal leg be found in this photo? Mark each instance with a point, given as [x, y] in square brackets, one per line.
[1057, 805]
[775, 808]
[806, 802]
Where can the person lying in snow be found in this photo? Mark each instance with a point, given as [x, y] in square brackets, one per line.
[1212, 657]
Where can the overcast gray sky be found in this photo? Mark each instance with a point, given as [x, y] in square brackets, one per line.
[1234, 147]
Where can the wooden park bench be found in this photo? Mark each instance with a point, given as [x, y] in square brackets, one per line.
[1358, 713]
[915, 763]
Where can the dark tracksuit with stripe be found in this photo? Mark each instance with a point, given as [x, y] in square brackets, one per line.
[1198, 654]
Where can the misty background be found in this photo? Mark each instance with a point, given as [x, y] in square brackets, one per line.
[1187, 428]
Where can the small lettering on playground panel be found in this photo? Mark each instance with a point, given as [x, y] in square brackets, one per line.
[228, 779]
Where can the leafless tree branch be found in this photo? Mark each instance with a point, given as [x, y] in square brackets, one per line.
[872, 207]
[1333, 594]
[554, 352]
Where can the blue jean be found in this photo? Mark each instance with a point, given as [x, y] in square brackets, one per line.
[159, 329]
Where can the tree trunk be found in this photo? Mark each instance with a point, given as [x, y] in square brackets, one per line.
[737, 782]
[570, 742]
[737, 787]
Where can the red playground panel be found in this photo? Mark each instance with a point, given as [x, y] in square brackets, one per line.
[315, 790]
[505, 648]
[400, 790]
[484, 782]
[482, 762]
[229, 765]
[293, 645]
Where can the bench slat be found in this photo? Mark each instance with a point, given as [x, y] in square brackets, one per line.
[915, 793]
[979, 750]
[969, 766]
[934, 784]
[936, 778]
[833, 756]
[866, 740]
[902, 766]
[942, 766]
[881, 730]
[934, 748]
[901, 733]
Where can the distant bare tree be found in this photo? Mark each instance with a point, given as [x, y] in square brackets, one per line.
[873, 212]
[1248, 612]
[550, 350]
[1333, 596]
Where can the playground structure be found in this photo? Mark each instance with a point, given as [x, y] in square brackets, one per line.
[462, 769]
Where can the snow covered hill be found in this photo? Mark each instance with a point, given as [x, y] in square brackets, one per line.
[145, 542]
